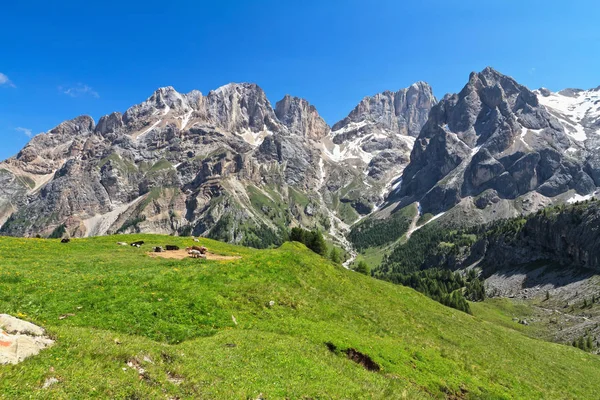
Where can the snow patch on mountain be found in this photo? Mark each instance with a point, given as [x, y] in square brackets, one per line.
[255, 138]
[154, 125]
[578, 197]
[185, 119]
[352, 126]
[348, 150]
[573, 107]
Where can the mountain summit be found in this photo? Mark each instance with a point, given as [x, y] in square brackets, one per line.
[491, 145]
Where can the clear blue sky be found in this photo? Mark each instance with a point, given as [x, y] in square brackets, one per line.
[63, 59]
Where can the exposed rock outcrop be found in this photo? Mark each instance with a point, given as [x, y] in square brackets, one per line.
[20, 339]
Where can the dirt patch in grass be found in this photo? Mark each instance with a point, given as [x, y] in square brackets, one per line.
[356, 356]
[363, 360]
[182, 254]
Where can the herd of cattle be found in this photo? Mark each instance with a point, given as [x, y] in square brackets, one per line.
[193, 251]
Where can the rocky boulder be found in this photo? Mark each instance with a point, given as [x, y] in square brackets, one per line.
[20, 339]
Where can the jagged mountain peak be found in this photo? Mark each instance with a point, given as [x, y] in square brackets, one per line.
[161, 102]
[235, 107]
[289, 99]
[165, 90]
[489, 76]
[543, 91]
[166, 97]
[109, 123]
[491, 106]
[194, 96]
[420, 85]
[495, 136]
[402, 112]
[301, 117]
[493, 88]
[243, 108]
[64, 133]
[490, 71]
[77, 125]
[234, 87]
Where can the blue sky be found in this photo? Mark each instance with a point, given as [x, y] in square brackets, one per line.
[60, 61]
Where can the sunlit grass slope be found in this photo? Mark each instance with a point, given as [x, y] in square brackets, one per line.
[175, 319]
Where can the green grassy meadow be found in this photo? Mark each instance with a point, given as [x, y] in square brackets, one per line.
[205, 330]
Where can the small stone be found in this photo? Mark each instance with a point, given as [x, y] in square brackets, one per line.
[147, 359]
[49, 382]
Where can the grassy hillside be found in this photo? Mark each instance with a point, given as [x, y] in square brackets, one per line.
[174, 319]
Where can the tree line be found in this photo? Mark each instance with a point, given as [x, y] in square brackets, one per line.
[449, 288]
[314, 240]
[377, 232]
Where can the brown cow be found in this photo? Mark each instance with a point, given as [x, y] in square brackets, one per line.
[201, 249]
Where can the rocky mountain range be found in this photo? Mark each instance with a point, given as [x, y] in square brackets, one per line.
[227, 165]
[230, 166]
[498, 150]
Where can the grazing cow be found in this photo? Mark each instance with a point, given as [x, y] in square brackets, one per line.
[171, 247]
[122, 244]
[201, 249]
[65, 240]
[138, 243]
[158, 249]
[194, 253]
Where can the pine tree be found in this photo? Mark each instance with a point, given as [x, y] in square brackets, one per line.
[297, 235]
[313, 240]
[581, 343]
[362, 268]
[335, 256]
[317, 243]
